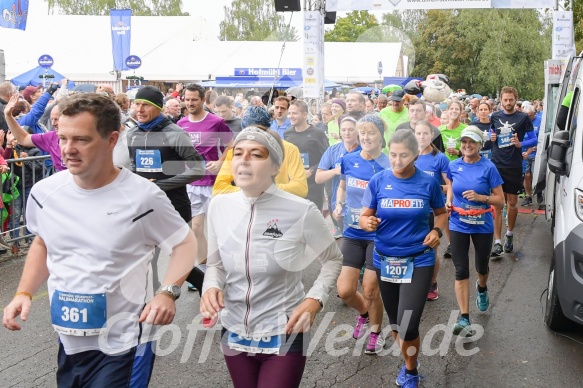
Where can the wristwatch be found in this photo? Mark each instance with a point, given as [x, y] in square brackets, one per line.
[172, 290]
[439, 232]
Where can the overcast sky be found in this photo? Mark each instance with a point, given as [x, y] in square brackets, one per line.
[211, 11]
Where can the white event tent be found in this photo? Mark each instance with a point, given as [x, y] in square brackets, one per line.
[171, 50]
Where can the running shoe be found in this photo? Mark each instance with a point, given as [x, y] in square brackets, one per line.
[375, 343]
[411, 381]
[361, 326]
[539, 198]
[527, 201]
[447, 253]
[508, 245]
[192, 288]
[496, 252]
[433, 293]
[402, 376]
[462, 325]
[482, 299]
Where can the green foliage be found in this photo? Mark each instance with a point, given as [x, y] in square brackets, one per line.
[483, 50]
[255, 20]
[351, 27]
[102, 7]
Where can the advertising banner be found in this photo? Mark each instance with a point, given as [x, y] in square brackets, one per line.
[120, 36]
[313, 54]
[563, 35]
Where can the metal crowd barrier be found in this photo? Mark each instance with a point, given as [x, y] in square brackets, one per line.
[13, 226]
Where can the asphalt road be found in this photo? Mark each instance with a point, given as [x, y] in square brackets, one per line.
[515, 350]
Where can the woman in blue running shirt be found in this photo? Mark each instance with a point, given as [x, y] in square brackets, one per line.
[396, 205]
[329, 167]
[476, 186]
[432, 162]
[357, 169]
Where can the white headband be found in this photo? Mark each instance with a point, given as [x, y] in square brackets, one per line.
[265, 139]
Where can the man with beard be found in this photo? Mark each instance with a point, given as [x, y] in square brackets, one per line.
[355, 105]
[211, 138]
[511, 130]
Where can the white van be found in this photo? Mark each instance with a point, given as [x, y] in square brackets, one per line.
[564, 201]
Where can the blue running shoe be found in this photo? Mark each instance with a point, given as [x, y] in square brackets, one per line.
[411, 381]
[402, 376]
[463, 326]
[482, 299]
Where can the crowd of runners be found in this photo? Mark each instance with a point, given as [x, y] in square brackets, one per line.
[246, 191]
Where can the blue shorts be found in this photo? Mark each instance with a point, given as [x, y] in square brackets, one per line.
[527, 165]
[96, 369]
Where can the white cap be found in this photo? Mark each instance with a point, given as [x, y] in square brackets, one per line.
[473, 133]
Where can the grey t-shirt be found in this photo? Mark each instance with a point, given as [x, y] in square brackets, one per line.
[234, 124]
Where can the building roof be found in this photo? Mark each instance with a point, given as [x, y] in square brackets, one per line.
[176, 49]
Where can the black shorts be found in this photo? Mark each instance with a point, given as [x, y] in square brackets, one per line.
[512, 178]
[357, 253]
[99, 370]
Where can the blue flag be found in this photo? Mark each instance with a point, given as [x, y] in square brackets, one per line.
[14, 14]
[121, 31]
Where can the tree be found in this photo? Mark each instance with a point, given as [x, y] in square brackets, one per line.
[102, 7]
[351, 27]
[402, 26]
[255, 20]
[484, 50]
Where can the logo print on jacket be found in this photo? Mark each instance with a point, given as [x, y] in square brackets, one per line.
[272, 229]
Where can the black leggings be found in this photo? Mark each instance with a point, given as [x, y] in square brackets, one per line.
[399, 298]
[460, 249]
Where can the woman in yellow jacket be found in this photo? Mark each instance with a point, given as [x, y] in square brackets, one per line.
[291, 177]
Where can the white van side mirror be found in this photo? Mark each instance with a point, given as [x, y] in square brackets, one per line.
[558, 151]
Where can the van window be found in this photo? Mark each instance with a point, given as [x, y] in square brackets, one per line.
[552, 99]
[574, 116]
[573, 113]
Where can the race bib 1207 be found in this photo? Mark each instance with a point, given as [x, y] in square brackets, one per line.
[396, 269]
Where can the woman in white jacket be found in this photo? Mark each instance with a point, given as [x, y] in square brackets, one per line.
[260, 240]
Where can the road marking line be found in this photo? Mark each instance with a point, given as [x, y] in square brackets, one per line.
[40, 296]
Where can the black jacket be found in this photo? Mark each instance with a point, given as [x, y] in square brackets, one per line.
[181, 163]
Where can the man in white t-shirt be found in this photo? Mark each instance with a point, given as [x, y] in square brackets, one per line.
[96, 227]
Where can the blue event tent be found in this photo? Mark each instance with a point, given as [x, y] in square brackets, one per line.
[34, 77]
